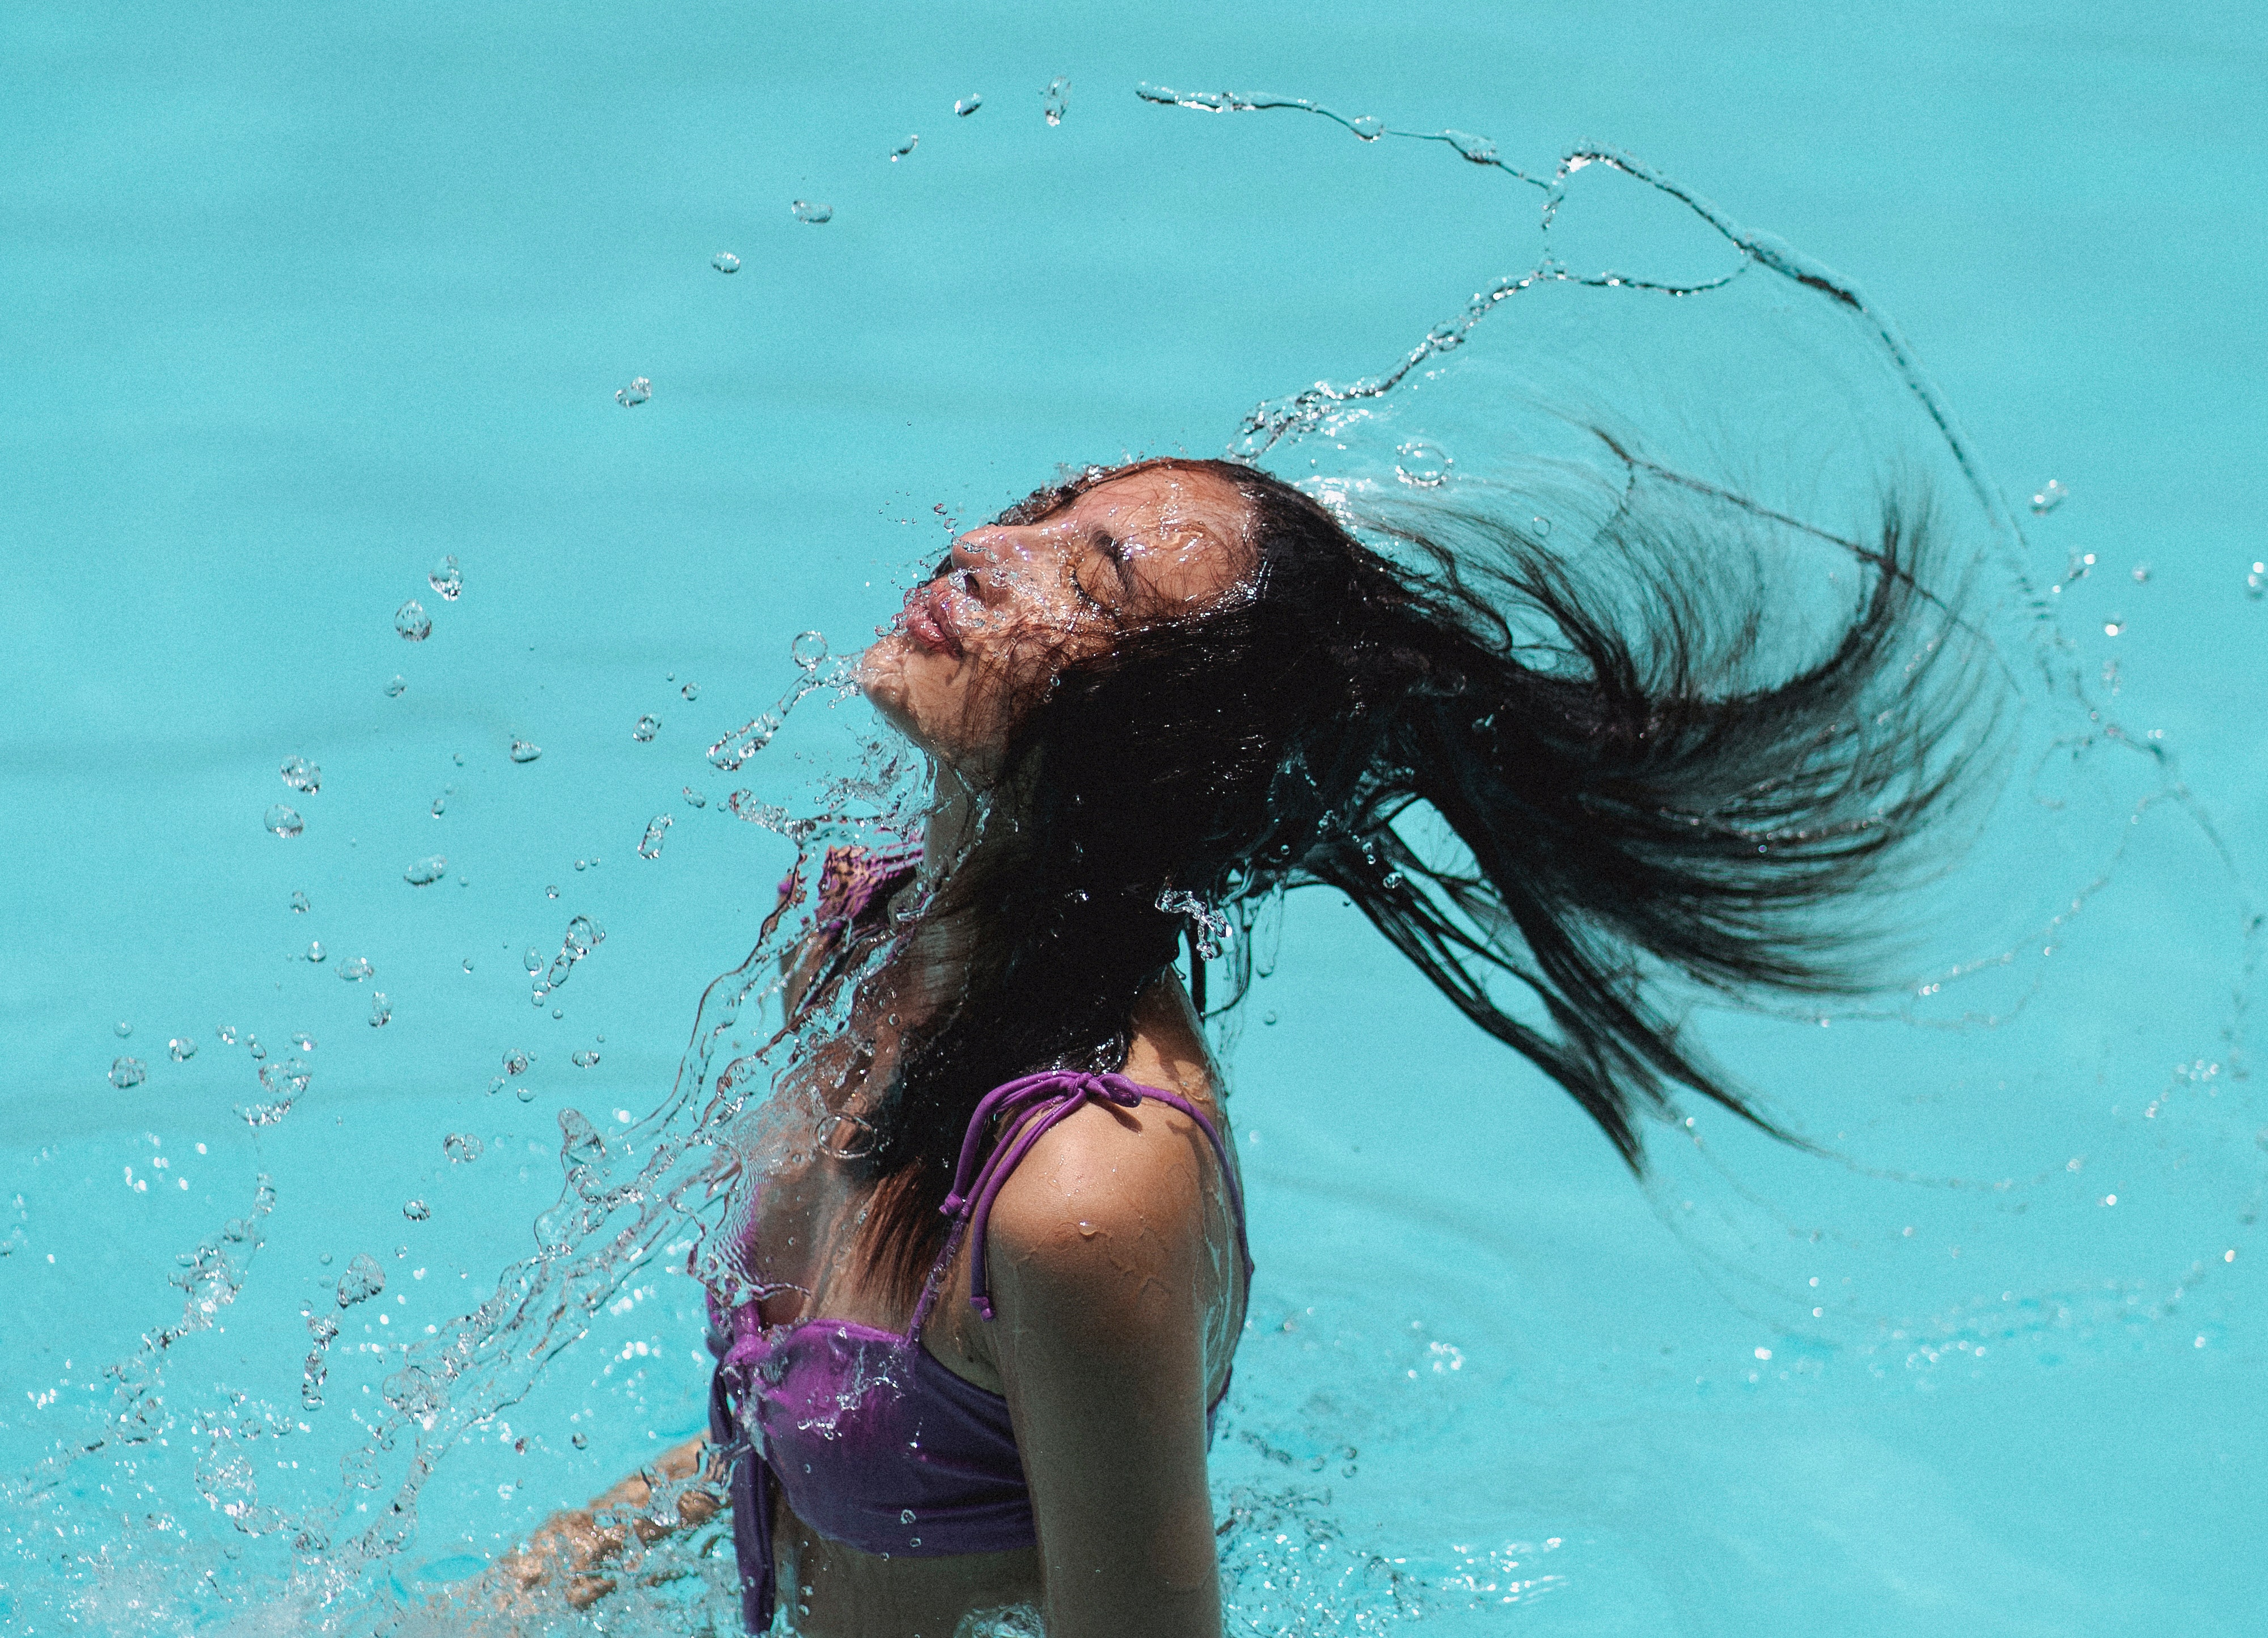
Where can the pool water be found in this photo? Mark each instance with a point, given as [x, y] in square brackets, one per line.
[303, 306]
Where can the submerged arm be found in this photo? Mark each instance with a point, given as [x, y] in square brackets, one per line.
[574, 1545]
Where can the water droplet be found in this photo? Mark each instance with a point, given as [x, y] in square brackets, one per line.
[467, 964]
[2141, 574]
[725, 261]
[447, 577]
[524, 752]
[526, 1094]
[1421, 464]
[416, 1210]
[2256, 583]
[381, 1010]
[1056, 100]
[551, 892]
[285, 1077]
[905, 148]
[127, 1072]
[301, 774]
[252, 1044]
[413, 622]
[912, 1542]
[582, 864]
[968, 105]
[285, 821]
[532, 961]
[355, 969]
[1479, 150]
[363, 1280]
[304, 1042]
[807, 211]
[2050, 495]
[809, 650]
[299, 903]
[2112, 628]
[635, 394]
[394, 685]
[462, 1147]
[1086, 1232]
[646, 728]
[315, 950]
[424, 872]
[559, 1012]
[516, 1062]
[694, 799]
[585, 1058]
[657, 831]
[1268, 1017]
[1369, 127]
[1391, 880]
[691, 691]
[182, 1048]
[440, 804]
[122, 1029]
[580, 1441]
[906, 1516]
[227, 1033]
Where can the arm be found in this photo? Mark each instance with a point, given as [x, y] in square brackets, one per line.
[1101, 1282]
[574, 1545]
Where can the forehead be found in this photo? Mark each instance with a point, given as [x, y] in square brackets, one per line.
[1177, 500]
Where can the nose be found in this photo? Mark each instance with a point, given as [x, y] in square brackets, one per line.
[990, 547]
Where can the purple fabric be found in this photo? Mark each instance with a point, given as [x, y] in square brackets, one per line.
[874, 1442]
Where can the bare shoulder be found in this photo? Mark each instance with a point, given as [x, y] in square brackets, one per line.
[1104, 1170]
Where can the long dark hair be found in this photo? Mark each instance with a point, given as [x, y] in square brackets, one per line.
[1628, 799]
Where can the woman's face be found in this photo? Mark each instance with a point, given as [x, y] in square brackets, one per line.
[1015, 603]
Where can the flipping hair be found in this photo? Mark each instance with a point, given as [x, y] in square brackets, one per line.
[1634, 800]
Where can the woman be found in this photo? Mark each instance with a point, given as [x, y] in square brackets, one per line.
[990, 1309]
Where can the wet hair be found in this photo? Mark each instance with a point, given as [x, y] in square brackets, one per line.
[1624, 797]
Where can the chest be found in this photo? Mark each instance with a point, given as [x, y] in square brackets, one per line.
[809, 1244]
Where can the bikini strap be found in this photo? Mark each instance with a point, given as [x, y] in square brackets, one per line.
[1047, 1098]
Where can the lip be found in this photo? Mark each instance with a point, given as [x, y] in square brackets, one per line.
[926, 620]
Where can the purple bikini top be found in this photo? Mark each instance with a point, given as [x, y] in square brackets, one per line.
[874, 1442]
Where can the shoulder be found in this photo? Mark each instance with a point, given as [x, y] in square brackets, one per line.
[1108, 1209]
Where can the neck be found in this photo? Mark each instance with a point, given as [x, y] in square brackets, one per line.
[964, 824]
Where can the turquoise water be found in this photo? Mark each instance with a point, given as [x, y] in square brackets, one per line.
[300, 304]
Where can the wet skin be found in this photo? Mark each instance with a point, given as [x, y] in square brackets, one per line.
[1114, 1268]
